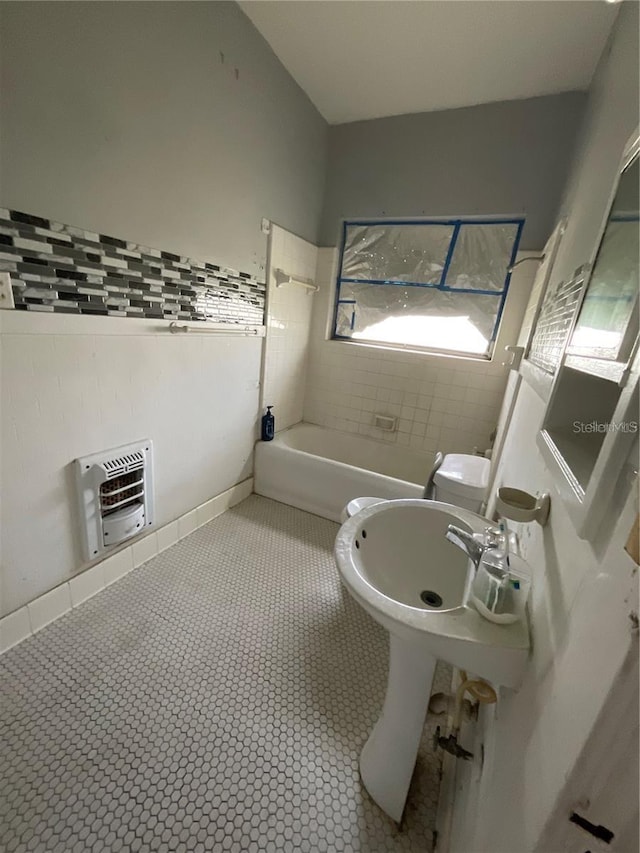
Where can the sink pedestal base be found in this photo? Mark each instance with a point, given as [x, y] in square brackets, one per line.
[389, 756]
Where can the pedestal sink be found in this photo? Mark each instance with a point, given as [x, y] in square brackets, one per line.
[395, 561]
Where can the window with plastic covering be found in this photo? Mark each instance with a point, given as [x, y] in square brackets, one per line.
[437, 286]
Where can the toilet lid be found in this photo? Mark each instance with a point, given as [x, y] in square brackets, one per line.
[358, 504]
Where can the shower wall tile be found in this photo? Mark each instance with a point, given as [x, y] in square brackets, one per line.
[64, 269]
[288, 324]
[439, 403]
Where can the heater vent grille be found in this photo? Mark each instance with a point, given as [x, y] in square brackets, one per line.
[123, 464]
[115, 493]
[121, 491]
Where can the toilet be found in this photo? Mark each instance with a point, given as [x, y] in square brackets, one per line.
[460, 479]
[358, 504]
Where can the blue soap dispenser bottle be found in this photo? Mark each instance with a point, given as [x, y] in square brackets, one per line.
[268, 425]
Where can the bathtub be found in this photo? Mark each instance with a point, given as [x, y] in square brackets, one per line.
[320, 470]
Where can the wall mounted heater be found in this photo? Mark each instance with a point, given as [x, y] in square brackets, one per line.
[115, 495]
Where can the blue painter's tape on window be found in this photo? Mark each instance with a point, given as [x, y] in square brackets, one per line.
[436, 285]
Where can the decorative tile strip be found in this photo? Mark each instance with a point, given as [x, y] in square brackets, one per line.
[64, 269]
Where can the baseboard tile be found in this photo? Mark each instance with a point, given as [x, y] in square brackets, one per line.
[14, 628]
[49, 607]
[118, 565]
[167, 536]
[86, 584]
[144, 550]
[32, 617]
[187, 523]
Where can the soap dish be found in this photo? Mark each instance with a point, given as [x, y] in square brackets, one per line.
[521, 506]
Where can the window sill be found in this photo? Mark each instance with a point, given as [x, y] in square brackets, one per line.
[419, 351]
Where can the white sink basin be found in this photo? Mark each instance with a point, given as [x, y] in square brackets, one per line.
[395, 561]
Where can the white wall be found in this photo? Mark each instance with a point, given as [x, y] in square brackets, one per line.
[72, 386]
[129, 119]
[584, 592]
[289, 310]
[509, 157]
[442, 403]
[169, 124]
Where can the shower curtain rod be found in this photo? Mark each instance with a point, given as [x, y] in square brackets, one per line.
[283, 277]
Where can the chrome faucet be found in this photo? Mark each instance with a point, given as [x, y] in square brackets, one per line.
[471, 546]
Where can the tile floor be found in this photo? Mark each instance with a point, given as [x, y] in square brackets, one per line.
[216, 698]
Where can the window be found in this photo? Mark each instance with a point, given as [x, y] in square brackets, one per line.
[425, 285]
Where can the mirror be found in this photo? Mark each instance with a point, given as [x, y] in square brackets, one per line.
[608, 320]
[591, 420]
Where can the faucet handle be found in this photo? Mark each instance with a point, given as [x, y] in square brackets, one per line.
[493, 537]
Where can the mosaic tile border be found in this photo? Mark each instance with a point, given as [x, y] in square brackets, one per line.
[63, 269]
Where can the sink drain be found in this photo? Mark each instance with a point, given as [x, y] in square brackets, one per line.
[431, 598]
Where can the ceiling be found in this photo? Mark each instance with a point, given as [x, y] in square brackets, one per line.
[362, 59]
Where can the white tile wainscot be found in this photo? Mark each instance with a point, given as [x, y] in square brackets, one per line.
[27, 620]
[98, 383]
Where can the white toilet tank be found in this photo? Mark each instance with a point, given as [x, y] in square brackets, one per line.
[462, 480]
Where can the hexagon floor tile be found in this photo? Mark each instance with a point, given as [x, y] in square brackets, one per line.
[216, 698]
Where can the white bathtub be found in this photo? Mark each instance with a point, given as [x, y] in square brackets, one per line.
[321, 470]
